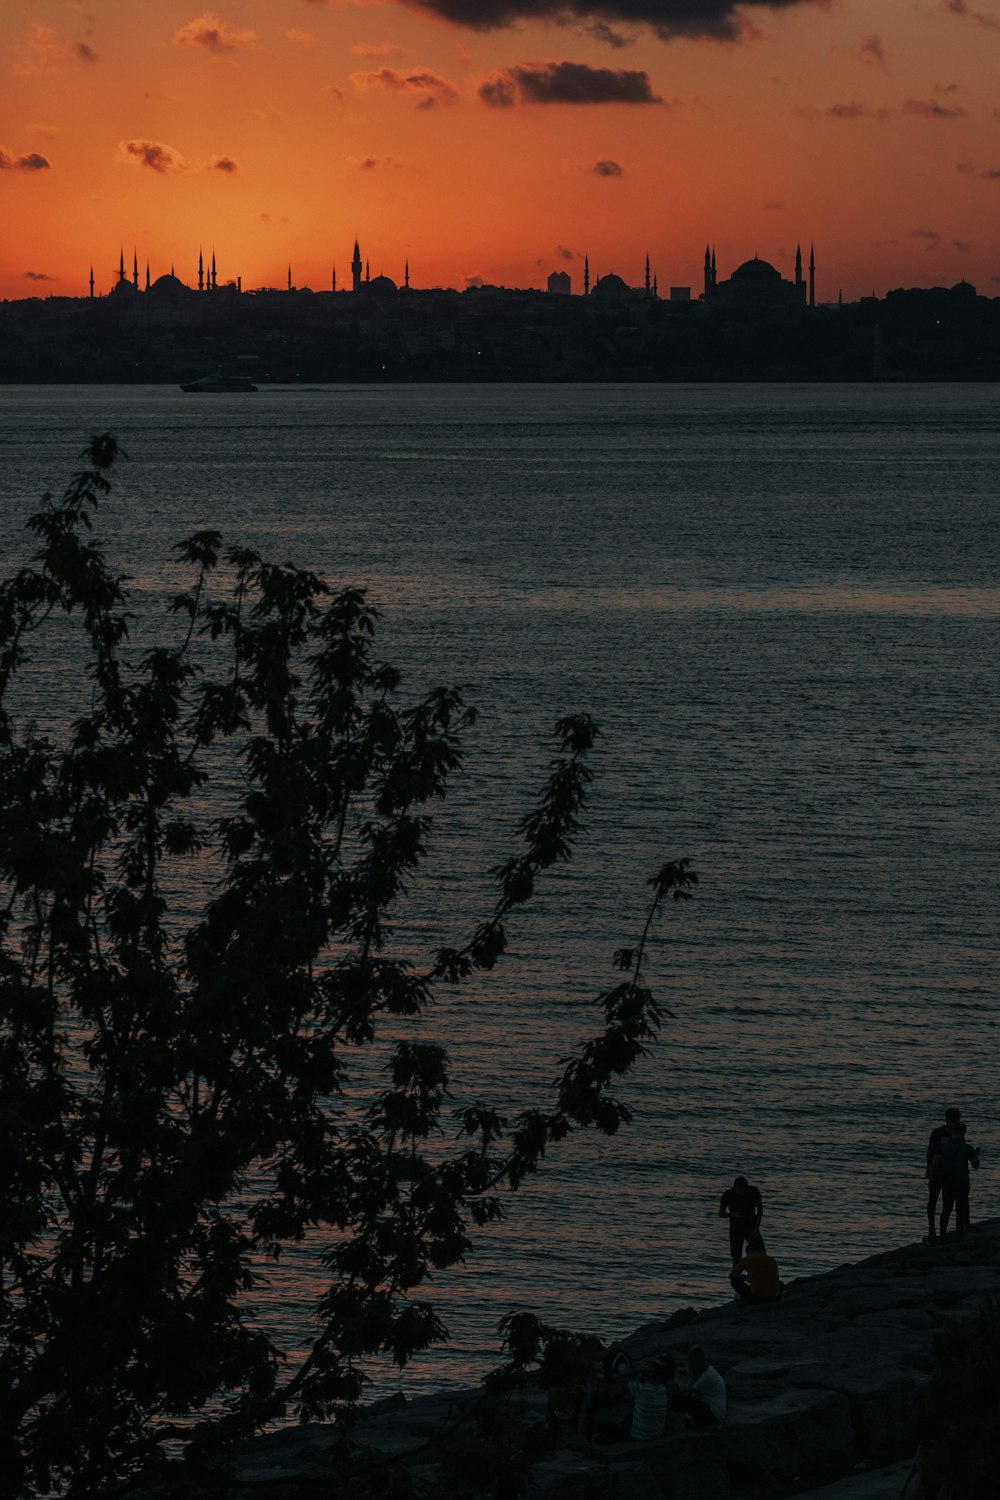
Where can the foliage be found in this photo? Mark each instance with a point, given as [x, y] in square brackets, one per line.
[181, 1097]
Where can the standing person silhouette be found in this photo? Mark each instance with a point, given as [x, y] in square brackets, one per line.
[957, 1156]
[933, 1170]
[743, 1207]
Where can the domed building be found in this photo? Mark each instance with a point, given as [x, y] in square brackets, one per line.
[169, 288]
[610, 286]
[756, 285]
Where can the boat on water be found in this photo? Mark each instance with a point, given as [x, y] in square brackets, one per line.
[211, 384]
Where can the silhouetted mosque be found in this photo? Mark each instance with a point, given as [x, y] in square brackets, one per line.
[754, 285]
[757, 284]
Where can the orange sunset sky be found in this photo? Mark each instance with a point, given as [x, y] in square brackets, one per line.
[500, 140]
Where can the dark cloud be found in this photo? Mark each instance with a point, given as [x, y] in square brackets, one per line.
[38, 276]
[432, 88]
[222, 164]
[471, 281]
[152, 154]
[32, 161]
[930, 235]
[929, 109]
[567, 83]
[719, 19]
[963, 246]
[608, 168]
[565, 254]
[85, 53]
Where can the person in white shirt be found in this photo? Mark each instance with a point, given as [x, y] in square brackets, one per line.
[705, 1398]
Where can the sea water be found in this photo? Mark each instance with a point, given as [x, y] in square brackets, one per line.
[782, 606]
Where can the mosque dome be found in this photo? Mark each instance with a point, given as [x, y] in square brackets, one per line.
[756, 270]
[964, 288]
[610, 286]
[381, 284]
[168, 286]
[123, 289]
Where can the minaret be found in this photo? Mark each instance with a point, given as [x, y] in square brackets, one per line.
[214, 282]
[406, 275]
[91, 281]
[356, 269]
[368, 270]
[586, 276]
[812, 276]
[647, 275]
[135, 270]
[333, 279]
[121, 265]
[798, 268]
[715, 273]
[147, 276]
[655, 292]
[289, 278]
[201, 272]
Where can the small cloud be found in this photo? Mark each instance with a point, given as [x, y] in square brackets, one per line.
[985, 174]
[772, 207]
[472, 281]
[608, 168]
[270, 219]
[334, 92]
[565, 254]
[379, 164]
[213, 35]
[155, 155]
[38, 276]
[430, 86]
[871, 50]
[44, 132]
[32, 161]
[856, 111]
[946, 88]
[931, 236]
[966, 12]
[222, 164]
[962, 245]
[602, 32]
[304, 38]
[567, 83]
[929, 109]
[47, 54]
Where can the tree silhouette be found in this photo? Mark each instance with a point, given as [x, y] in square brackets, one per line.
[180, 1097]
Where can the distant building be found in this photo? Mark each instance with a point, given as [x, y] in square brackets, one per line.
[680, 294]
[559, 282]
[757, 286]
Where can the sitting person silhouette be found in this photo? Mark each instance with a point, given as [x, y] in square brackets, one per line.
[755, 1278]
[704, 1398]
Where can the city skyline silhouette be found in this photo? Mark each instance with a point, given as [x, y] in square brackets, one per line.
[496, 141]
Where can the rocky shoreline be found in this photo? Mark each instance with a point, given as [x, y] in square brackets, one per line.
[824, 1384]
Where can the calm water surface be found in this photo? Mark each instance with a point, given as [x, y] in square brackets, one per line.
[782, 605]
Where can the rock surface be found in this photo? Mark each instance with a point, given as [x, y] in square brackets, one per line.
[823, 1384]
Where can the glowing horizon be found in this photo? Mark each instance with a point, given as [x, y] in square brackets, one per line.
[499, 140]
